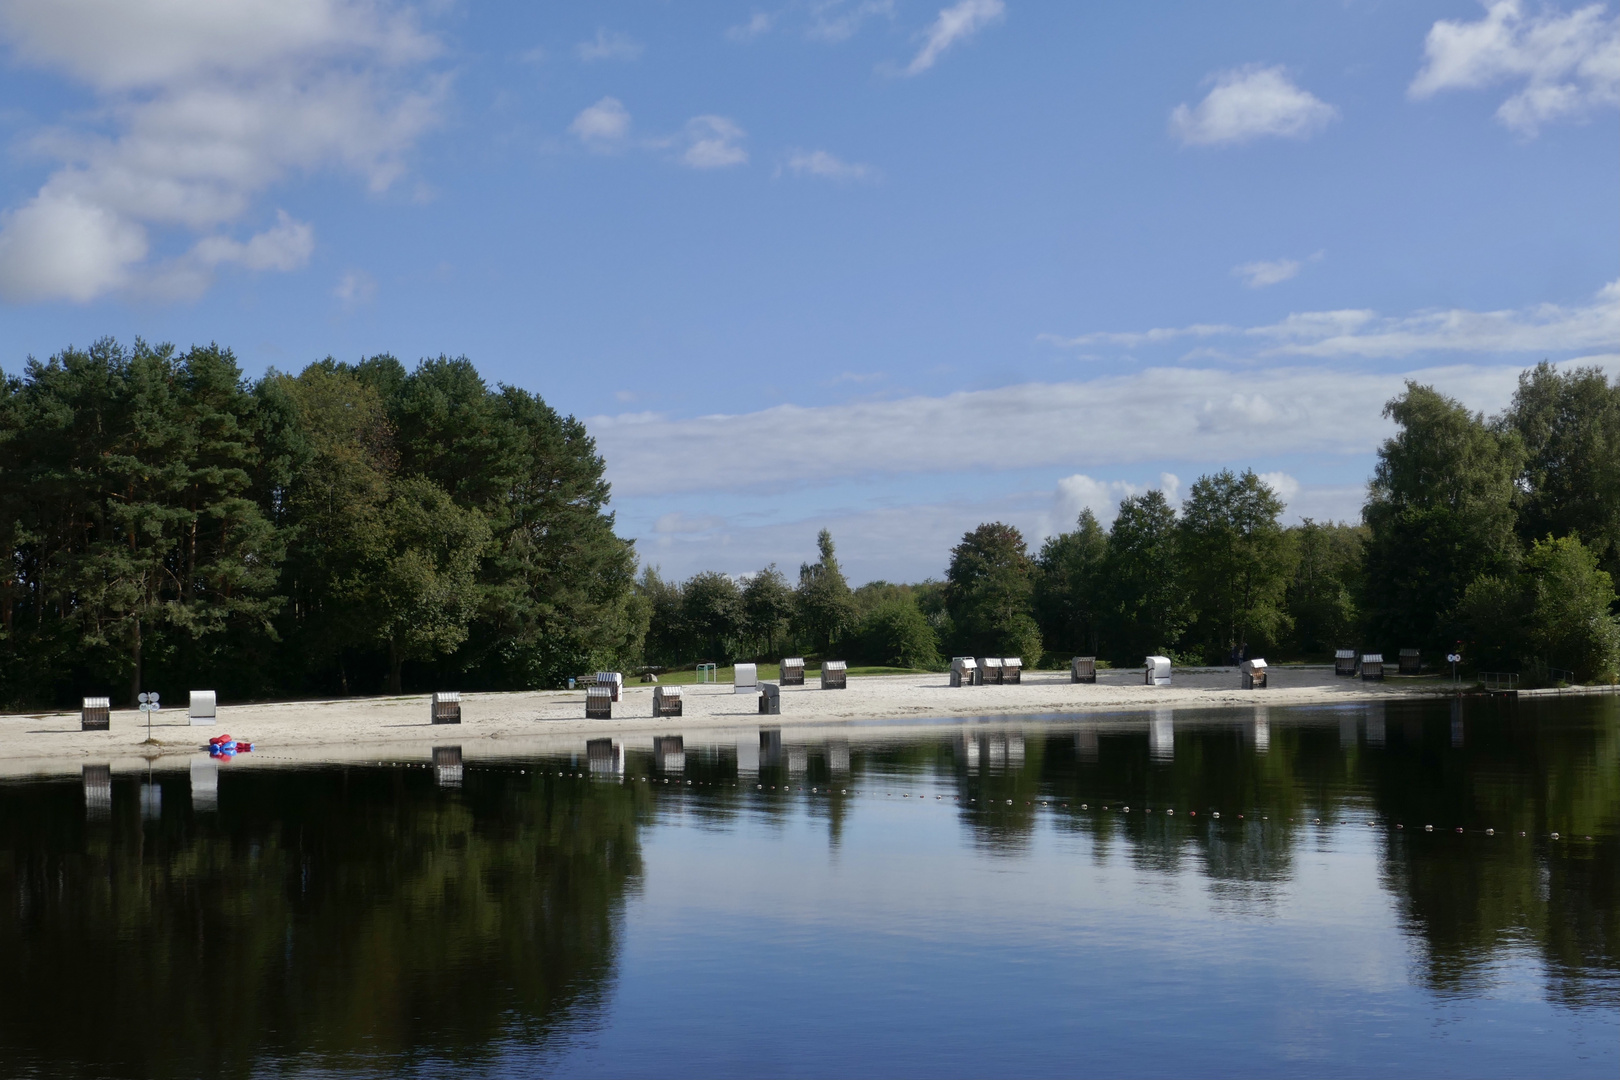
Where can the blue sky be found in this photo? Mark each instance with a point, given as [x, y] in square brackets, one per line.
[892, 268]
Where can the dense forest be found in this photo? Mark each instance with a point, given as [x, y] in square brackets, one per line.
[349, 529]
[360, 527]
[1500, 535]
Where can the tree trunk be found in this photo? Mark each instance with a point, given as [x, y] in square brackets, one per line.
[395, 662]
[135, 652]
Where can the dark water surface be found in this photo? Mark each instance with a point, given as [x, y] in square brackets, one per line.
[960, 902]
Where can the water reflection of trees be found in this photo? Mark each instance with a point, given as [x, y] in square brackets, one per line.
[1530, 769]
[1467, 897]
[335, 918]
[328, 918]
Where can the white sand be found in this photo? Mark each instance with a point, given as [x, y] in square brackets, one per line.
[530, 723]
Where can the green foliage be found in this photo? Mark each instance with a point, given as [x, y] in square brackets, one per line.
[1569, 424]
[1570, 625]
[1322, 595]
[666, 642]
[824, 610]
[1236, 562]
[989, 587]
[423, 588]
[1439, 514]
[1148, 605]
[1493, 616]
[134, 547]
[1069, 598]
[767, 608]
[167, 523]
[712, 613]
[896, 634]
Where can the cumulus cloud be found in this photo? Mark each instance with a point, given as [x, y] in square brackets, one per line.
[1544, 328]
[607, 45]
[1284, 485]
[602, 126]
[1249, 103]
[1102, 497]
[60, 246]
[826, 166]
[712, 142]
[953, 25]
[210, 104]
[1567, 65]
[286, 246]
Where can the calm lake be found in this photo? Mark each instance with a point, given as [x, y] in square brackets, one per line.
[966, 900]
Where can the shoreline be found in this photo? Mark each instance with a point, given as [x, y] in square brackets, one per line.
[526, 723]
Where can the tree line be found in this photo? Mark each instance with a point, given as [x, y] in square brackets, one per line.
[356, 528]
[351, 528]
[1499, 536]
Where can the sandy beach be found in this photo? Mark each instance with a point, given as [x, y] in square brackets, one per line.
[540, 722]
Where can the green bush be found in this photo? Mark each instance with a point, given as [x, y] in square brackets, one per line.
[897, 634]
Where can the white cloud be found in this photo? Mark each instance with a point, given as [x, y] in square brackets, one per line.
[153, 44]
[1158, 415]
[354, 288]
[1284, 485]
[1568, 64]
[608, 45]
[706, 142]
[1249, 103]
[758, 24]
[827, 166]
[286, 246]
[602, 126]
[954, 24]
[679, 523]
[913, 541]
[1257, 275]
[210, 104]
[1184, 414]
[828, 21]
[1080, 492]
[711, 143]
[59, 246]
[837, 20]
[1545, 328]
